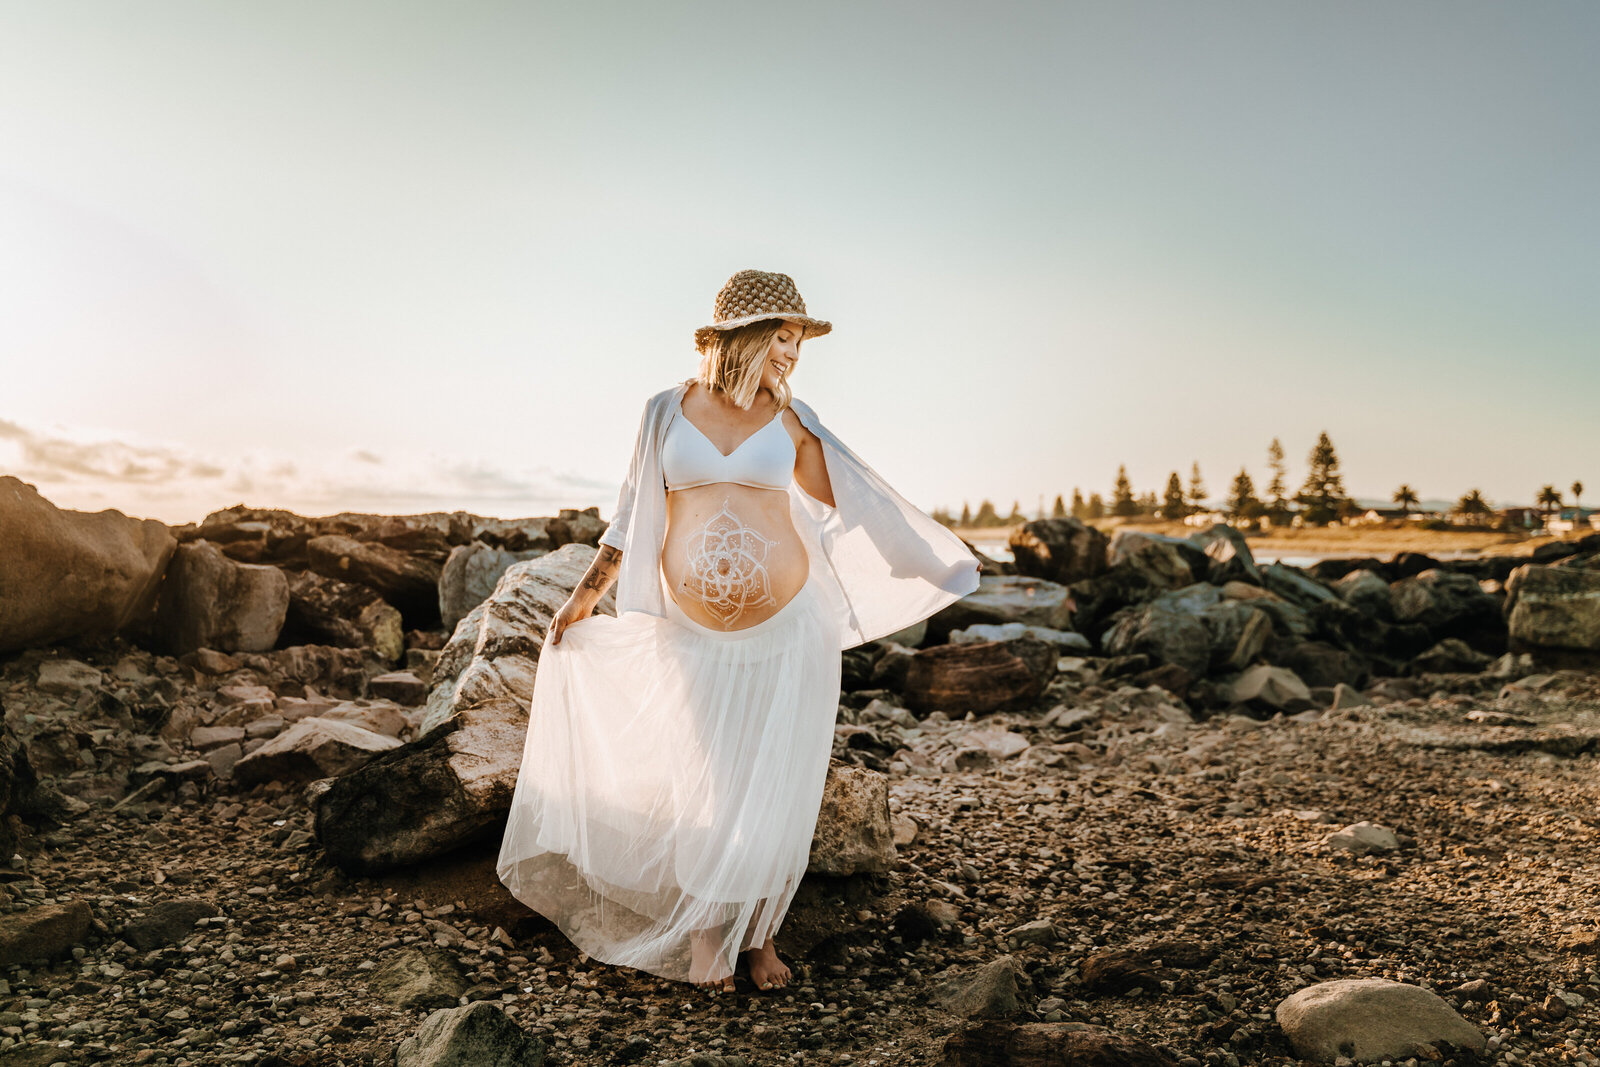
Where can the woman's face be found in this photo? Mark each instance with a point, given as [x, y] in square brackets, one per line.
[782, 354]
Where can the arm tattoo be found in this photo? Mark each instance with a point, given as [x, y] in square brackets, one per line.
[602, 571]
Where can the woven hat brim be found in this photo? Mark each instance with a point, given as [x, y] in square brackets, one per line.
[814, 327]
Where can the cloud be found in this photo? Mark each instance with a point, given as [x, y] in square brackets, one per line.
[57, 459]
[171, 483]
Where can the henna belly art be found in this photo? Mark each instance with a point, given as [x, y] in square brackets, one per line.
[727, 567]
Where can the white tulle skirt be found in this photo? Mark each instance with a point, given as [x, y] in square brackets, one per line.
[671, 781]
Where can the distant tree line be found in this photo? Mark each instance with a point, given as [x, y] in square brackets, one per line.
[1321, 498]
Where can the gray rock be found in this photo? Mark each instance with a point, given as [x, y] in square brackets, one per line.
[312, 748]
[418, 977]
[1000, 1043]
[402, 687]
[477, 1035]
[1295, 585]
[1366, 591]
[992, 991]
[1003, 599]
[209, 601]
[1065, 640]
[1371, 1019]
[1553, 608]
[1345, 696]
[470, 574]
[67, 677]
[1452, 655]
[1159, 560]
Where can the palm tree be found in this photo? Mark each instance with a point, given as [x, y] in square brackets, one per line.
[1406, 497]
[1577, 494]
[1547, 499]
[1473, 504]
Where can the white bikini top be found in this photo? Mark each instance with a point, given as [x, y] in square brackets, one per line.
[764, 460]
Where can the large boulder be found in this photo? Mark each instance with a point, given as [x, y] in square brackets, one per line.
[326, 611]
[1060, 550]
[455, 781]
[408, 581]
[1369, 1020]
[43, 932]
[1229, 555]
[1367, 591]
[1003, 599]
[980, 677]
[1450, 605]
[1169, 629]
[1553, 608]
[470, 574]
[70, 574]
[1166, 562]
[479, 1034]
[210, 601]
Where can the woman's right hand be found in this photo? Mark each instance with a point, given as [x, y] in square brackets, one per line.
[570, 612]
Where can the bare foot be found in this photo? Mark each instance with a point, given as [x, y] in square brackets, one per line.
[767, 971]
[705, 963]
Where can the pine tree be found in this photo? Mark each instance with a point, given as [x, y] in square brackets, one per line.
[966, 514]
[1173, 507]
[1080, 510]
[1097, 507]
[1324, 488]
[1016, 518]
[1279, 486]
[1122, 496]
[1197, 488]
[1060, 510]
[986, 515]
[1242, 502]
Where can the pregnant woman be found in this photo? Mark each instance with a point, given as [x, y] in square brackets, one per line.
[676, 754]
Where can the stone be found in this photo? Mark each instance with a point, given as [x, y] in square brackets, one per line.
[992, 991]
[853, 833]
[1452, 655]
[402, 687]
[1163, 562]
[1063, 550]
[1064, 640]
[1002, 599]
[479, 1034]
[1119, 970]
[206, 738]
[999, 1043]
[469, 576]
[408, 581]
[1345, 696]
[74, 574]
[1295, 585]
[1369, 1020]
[1553, 608]
[1363, 838]
[312, 748]
[327, 611]
[67, 677]
[1276, 688]
[418, 977]
[209, 601]
[43, 932]
[1450, 605]
[381, 717]
[1168, 629]
[1229, 553]
[980, 678]
[1367, 591]
[166, 923]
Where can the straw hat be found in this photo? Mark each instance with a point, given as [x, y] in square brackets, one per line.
[753, 295]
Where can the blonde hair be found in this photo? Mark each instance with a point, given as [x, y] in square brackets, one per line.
[732, 361]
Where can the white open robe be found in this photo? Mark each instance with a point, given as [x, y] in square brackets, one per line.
[880, 563]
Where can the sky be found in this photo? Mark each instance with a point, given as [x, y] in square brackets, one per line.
[403, 257]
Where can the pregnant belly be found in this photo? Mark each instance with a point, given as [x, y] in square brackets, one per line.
[731, 557]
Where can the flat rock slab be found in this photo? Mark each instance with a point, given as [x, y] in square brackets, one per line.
[42, 932]
[166, 923]
[312, 748]
[1372, 1019]
[1003, 1044]
[422, 977]
[993, 991]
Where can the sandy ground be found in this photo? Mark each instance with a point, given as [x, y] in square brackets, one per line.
[1130, 826]
[1379, 541]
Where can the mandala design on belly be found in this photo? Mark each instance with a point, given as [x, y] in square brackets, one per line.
[727, 567]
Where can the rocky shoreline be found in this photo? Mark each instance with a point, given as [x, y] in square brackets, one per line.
[1125, 803]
